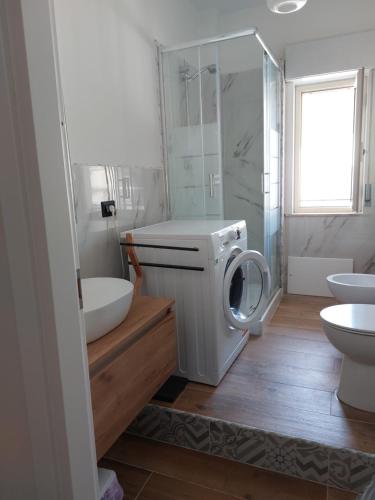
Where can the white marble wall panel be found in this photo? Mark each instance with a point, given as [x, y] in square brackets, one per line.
[351, 237]
[140, 200]
[242, 122]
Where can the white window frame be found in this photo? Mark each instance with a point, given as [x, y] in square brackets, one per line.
[326, 82]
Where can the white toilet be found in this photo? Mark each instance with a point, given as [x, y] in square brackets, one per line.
[351, 329]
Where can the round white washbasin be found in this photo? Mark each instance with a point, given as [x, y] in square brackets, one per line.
[106, 303]
[353, 288]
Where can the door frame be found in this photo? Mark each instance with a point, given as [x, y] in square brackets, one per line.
[46, 394]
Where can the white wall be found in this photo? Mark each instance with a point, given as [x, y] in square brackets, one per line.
[110, 83]
[318, 19]
[109, 75]
[327, 55]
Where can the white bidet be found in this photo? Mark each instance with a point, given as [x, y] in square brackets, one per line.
[353, 288]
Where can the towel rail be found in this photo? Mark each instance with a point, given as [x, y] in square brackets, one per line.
[162, 247]
[169, 266]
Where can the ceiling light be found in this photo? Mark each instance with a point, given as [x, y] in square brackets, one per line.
[285, 6]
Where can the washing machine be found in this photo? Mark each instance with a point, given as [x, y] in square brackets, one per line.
[220, 289]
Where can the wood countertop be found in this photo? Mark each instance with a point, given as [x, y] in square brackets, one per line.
[144, 313]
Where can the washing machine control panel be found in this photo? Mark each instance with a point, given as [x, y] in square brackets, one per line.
[237, 234]
[232, 235]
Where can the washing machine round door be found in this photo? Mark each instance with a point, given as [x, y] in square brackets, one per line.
[247, 284]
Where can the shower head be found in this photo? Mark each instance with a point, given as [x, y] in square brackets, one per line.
[211, 68]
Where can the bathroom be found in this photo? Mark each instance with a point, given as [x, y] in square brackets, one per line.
[152, 111]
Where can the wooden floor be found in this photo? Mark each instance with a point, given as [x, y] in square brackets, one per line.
[148, 470]
[285, 382]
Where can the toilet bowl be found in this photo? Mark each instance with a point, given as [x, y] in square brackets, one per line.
[351, 329]
[352, 288]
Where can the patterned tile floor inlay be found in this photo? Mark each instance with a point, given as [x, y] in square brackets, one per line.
[276, 408]
[151, 470]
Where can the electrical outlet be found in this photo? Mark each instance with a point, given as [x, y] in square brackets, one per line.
[106, 208]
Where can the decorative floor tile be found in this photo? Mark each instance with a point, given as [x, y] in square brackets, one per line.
[237, 442]
[340, 468]
[147, 423]
[270, 451]
[362, 470]
[350, 470]
[280, 454]
[185, 429]
[311, 461]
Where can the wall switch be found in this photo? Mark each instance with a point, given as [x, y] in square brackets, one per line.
[108, 208]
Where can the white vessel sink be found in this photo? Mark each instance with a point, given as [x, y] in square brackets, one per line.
[106, 303]
[353, 288]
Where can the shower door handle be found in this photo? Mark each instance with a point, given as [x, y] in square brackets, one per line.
[211, 180]
[266, 183]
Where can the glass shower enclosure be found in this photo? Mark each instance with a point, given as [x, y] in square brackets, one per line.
[222, 101]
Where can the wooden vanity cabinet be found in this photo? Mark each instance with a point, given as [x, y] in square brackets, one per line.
[128, 365]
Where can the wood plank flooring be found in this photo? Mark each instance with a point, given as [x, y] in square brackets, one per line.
[149, 470]
[285, 382]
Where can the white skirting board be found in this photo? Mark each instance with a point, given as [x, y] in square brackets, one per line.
[307, 275]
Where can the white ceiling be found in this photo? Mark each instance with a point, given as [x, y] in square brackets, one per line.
[227, 5]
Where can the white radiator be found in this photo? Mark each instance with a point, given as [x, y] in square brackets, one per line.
[307, 275]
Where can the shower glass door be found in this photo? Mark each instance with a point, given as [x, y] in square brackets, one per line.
[222, 123]
[272, 81]
[193, 139]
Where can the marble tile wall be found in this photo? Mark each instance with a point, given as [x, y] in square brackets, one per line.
[140, 199]
[242, 123]
[340, 468]
[334, 236]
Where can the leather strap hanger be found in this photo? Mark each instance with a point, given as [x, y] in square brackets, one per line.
[135, 263]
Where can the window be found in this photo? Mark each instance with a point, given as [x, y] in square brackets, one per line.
[327, 145]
